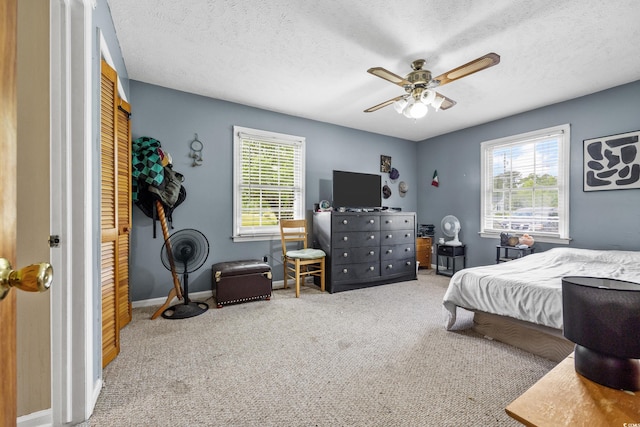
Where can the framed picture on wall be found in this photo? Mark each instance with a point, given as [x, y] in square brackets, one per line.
[385, 163]
[612, 162]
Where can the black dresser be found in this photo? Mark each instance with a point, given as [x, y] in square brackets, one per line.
[366, 248]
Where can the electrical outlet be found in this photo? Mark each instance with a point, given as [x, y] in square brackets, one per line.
[265, 258]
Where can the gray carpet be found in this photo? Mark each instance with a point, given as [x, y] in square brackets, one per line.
[371, 357]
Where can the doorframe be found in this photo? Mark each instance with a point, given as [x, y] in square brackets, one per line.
[75, 382]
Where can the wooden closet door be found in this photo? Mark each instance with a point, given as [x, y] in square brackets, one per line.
[124, 210]
[108, 214]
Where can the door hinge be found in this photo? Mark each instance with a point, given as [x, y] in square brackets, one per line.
[54, 241]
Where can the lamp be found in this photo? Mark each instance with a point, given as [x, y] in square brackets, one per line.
[602, 317]
[416, 105]
[407, 109]
[399, 105]
[437, 102]
[418, 110]
[428, 96]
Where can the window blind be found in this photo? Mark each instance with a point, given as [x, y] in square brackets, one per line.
[269, 182]
[525, 183]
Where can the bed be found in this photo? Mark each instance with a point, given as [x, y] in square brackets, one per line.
[520, 302]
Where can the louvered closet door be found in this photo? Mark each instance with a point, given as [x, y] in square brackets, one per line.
[124, 209]
[108, 215]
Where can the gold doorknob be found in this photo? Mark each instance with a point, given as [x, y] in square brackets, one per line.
[33, 278]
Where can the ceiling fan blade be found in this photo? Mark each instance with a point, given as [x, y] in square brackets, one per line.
[389, 76]
[486, 61]
[385, 103]
[447, 103]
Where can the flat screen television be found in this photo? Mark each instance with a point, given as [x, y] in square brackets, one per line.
[356, 190]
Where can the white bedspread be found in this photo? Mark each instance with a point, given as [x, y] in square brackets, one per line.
[530, 288]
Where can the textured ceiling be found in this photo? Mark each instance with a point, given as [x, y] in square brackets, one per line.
[309, 58]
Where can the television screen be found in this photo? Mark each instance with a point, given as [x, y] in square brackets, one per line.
[356, 190]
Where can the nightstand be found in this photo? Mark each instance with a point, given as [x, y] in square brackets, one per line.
[508, 253]
[451, 254]
[563, 394]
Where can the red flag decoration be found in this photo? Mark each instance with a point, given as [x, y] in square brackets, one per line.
[435, 182]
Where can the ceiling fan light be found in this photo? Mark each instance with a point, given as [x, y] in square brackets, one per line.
[400, 105]
[408, 107]
[428, 96]
[437, 102]
[418, 110]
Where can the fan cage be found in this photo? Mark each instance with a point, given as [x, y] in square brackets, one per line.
[188, 249]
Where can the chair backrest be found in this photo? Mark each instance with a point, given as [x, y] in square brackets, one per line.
[293, 230]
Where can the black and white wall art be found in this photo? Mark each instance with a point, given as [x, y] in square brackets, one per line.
[612, 162]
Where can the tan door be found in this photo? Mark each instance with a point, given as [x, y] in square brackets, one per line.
[8, 132]
[108, 215]
[124, 210]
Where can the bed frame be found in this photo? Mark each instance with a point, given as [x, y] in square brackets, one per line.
[537, 339]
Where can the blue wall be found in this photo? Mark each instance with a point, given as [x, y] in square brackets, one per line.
[599, 220]
[175, 117]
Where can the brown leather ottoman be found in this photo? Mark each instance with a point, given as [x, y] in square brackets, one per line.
[240, 281]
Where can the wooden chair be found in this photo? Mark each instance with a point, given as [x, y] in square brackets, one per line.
[302, 262]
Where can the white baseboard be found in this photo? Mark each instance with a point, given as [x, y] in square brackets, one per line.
[96, 394]
[36, 419]
[202, 295]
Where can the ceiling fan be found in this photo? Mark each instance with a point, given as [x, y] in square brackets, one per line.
[419, 86]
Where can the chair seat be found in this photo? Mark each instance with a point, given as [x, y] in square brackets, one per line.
[306, 253]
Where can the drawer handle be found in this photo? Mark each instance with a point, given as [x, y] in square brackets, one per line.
[390, 267]
[389, 221]
[345, 255]
[389, 236]
[408, 250]
[371, 221]
[408, 263]
[407, 235]
[345, 222]
[372, 253]
[389, 251]
[372, 268]
[345, 271]
[372, 237]
[345, 238]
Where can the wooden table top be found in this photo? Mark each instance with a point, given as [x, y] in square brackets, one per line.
[565, 398]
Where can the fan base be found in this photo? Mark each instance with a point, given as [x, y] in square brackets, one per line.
[184, 311]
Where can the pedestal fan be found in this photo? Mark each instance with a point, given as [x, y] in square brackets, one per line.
[184, 252]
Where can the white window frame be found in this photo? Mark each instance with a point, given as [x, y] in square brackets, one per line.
[254, 233]
[562, 132]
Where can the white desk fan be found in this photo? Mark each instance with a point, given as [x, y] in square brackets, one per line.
[451, 227]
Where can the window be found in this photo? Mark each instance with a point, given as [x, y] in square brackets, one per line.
[525, 185]
[268, 182]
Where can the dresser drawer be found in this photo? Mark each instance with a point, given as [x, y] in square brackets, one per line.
[349, 255]
[397, 222]
[356, 239]
[341, 223]
[398, 266]
[355, 272]
[446, 250]
[423, 243]
[394, 237]
[392, 252]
